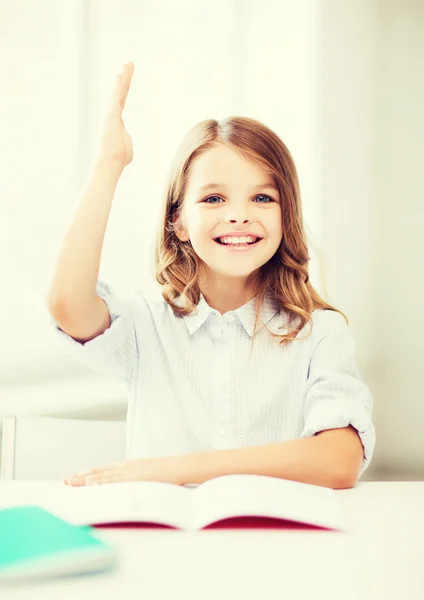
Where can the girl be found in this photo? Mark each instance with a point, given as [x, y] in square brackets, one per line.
[238, 365]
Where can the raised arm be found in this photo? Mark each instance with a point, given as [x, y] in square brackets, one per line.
[72, 298]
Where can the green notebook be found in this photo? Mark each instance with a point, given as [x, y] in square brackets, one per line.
[36, 543]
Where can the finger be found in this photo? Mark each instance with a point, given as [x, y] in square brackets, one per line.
[105, 477]
[115, 105]
[79, 481]
[95, 470]
[112, 480]
[127, 72]
[75, 481]
[126, 82]
[120, 90]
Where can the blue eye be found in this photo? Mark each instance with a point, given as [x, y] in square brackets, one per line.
[260, 195]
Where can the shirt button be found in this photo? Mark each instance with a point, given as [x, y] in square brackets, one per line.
[223, 431]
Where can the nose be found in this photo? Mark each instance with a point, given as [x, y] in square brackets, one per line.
[233, 220]
[237, 213]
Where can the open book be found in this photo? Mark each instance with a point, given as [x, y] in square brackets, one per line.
[193, 508]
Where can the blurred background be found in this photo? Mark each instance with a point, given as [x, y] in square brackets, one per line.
[340, 81]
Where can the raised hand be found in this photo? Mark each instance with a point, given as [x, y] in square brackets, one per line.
[116, 142]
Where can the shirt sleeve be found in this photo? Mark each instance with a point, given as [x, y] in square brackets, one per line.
[336, 396]
[115, 351]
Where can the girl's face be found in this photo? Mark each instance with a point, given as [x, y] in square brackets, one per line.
[243, 198]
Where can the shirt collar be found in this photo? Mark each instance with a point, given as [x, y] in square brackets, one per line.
[245, 313]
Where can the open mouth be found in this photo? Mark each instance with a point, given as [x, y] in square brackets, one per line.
[238, 245]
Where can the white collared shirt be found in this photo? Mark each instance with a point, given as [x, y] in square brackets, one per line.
[192, 386]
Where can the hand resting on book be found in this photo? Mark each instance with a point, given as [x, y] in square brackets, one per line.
[167, 469]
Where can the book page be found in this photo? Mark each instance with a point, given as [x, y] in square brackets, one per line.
[138, 501]
[259, 495]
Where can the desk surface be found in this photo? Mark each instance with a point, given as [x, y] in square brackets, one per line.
[380, 555]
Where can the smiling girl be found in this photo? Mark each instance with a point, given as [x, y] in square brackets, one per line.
[236, 365]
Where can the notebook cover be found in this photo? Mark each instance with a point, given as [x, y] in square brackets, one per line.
[34, 542]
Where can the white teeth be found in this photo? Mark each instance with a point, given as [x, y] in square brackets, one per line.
[238, 240]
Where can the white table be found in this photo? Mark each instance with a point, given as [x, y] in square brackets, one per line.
[380, 555]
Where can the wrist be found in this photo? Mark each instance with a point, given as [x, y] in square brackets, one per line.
[109, 164]
[177, 468]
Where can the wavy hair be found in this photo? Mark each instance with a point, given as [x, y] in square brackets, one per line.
[284, 277]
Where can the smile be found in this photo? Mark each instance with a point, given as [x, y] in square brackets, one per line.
[238, 247]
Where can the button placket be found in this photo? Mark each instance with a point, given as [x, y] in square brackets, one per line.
[224, 409]
[217, 329]
[222, 399]
[223, 403]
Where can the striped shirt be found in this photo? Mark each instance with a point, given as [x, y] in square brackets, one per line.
[192, 386]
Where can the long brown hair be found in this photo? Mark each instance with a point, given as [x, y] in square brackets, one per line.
[284, 278]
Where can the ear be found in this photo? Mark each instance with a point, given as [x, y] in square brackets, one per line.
[180, 231]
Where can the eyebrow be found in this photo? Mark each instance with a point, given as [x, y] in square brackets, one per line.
[266, 185]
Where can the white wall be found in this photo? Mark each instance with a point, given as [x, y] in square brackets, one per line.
[349, 51]
[40, 110]
[400, 259]
[372, 215]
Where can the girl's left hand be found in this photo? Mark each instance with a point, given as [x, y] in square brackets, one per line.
[167, 469]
